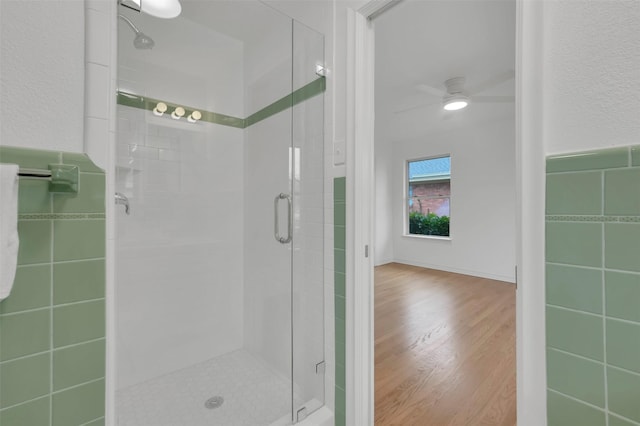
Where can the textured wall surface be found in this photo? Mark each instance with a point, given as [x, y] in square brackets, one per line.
[591, 74]
[593, 288]
[52, 325]
[42, 74]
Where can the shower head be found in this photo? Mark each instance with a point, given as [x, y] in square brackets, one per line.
[141, 41]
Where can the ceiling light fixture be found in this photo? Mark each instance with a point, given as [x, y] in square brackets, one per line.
[455, 99]
[455, 102]
[166, 9]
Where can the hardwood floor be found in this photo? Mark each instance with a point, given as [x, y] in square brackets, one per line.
[444, 349]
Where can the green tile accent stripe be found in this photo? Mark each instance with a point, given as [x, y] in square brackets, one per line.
[339, 236]
[61, 216]
[312, 89]
[590, 160]
[29, 158]
[574, 218]
[52, 325]
[308, 91]
[135, 101]
[635, 155]
[593, 287]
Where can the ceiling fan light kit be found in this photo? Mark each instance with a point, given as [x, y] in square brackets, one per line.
[455, 102]
[455, 99]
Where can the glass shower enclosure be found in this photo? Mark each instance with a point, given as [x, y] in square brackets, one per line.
[219, 260]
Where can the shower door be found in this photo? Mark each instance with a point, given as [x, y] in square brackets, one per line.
[219, 263]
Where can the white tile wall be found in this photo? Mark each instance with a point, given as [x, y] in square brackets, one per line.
[179, 254]
[267, 299]
[97, 76]
[146, 286]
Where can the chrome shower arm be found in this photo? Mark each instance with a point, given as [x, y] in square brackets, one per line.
[128, 21]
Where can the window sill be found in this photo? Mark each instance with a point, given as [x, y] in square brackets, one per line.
[427, 237]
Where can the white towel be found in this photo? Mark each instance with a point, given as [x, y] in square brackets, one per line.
[8, 227]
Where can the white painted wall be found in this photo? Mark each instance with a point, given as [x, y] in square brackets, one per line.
[385, 185]
[42, 74]
[591, 75]
[179, 255]
[482, 201]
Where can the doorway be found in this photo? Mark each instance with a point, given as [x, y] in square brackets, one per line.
[433, 288]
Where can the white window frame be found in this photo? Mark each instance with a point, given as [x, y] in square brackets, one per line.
[405, 209]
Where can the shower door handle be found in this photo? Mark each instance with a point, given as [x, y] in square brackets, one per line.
[276, 225]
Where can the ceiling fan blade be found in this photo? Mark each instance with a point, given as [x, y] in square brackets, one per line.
[431, 90]
[493, 99]
[492, 82]
[413, 107]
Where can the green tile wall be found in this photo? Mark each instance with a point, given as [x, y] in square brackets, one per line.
[52, 326]
[339, 232]
[593, 288]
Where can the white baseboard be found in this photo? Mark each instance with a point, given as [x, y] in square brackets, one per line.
[383, 262]
[509, 279]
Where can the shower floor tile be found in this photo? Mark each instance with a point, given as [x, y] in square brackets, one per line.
[254, 395]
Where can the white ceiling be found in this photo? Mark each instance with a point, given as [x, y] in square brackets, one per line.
[427, 42]
[246, 20]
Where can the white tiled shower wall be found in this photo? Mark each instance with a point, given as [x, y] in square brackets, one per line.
[179, 257]
[101, 31]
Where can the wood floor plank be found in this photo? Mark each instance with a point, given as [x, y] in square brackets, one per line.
[444, 349]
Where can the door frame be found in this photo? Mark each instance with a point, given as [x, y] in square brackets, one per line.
[530, 178]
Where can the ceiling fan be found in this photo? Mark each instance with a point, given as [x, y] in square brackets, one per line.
[455, 96]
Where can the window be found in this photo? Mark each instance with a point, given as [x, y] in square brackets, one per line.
[428, 196]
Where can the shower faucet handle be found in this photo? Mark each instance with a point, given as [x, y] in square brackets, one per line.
[122, 199]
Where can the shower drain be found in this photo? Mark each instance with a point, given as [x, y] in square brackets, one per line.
[214, 402]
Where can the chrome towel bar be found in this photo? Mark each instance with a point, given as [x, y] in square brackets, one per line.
[35, 174]
[62, 178]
